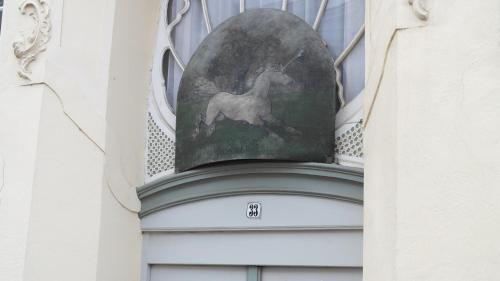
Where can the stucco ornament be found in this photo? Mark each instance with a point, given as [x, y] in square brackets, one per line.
[419, 9]
[261, 86]
[30, 46]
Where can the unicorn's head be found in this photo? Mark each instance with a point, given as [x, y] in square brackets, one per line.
[268, 76]
[274, 74]
[279, 77]
[277, 73]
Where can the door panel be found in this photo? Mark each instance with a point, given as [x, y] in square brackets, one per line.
[239, 273]
[197, 273]
[328, 248]
[311, 274]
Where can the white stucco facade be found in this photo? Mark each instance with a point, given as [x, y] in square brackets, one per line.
[72, 141]
[432, 141]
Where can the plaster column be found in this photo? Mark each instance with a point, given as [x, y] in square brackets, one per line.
[72, 126]
[432, 143]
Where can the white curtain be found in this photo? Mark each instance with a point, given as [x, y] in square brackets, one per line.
[353, 68]
[341, 21]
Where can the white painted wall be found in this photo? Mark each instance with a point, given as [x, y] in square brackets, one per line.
[432, 144]
[72, 142]
[64, 217]
[19, 108]
[135, 24]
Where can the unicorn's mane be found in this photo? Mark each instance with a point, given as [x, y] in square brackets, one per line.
[251, 80]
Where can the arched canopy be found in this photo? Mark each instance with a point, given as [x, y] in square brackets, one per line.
[306, 179]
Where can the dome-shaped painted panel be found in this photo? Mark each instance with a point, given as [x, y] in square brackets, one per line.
[259, 87]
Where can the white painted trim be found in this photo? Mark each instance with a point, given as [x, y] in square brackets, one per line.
[160, 175]
[319, 16]
[242, 6]
[164, 122]
[352, 112]
[346, 118]
[350, 161]
[158, 104]
[253, 229]
[284, 5]
[206, 16]
[340, 59]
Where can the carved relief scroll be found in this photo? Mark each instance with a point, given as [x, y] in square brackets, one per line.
[419, 9]
[31, 45]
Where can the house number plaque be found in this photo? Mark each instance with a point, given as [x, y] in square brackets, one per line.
[254, 210]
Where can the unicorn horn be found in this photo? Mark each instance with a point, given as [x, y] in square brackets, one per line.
[299, 54]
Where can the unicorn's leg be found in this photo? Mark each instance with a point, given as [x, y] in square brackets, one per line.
[268, 118]
[212, 112]
[220, 117]
[199, 122]
[210, 130]
[273, 135]
[293, 130]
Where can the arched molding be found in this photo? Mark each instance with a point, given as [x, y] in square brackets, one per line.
[305, 179]
[159, 106]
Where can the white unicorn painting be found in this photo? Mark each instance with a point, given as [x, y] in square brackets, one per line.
[252, 107]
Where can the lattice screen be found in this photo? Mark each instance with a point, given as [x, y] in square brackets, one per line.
[160, 150]
[350, 141]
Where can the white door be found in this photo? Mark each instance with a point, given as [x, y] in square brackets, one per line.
[294, 238]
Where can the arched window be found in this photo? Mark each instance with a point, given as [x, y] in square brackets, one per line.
[184, 24]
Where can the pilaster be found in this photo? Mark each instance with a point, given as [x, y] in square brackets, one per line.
[431, 154]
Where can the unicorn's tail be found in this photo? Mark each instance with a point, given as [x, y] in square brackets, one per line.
[205, 87]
